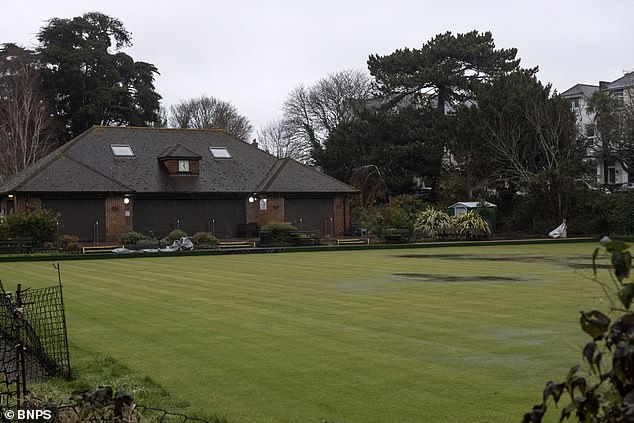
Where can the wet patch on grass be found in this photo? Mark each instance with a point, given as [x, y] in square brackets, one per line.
[573, 262]
[429, 277]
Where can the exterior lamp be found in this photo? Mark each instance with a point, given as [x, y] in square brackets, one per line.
[126, 200]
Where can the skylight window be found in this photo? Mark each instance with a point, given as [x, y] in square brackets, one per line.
[220, 152]
[122, 150]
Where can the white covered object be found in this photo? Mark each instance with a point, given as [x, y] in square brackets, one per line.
[560, 231]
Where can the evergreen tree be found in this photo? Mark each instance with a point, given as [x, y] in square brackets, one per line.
[401, 145]
[89, 80]
[446, 70]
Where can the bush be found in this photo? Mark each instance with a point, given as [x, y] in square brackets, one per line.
[399, 214]
[40, 225]
[280, 233]
[602, 392]
[68, 243]
[432, 223]
[471, 225]
[205, 238]
[600, 213]
[173, 236]
[133, 238]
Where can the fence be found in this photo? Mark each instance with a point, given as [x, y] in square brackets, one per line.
[33, 340]
[34, 344]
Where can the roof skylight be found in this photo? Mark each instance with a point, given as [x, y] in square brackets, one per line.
[122, 150]
[220, 152]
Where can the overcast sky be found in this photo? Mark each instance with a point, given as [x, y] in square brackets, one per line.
[252, 53]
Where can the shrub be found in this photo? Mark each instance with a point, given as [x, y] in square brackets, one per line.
[280, 233]
[432, 223]
[371, 218]
[205, 238]
[68, 243]
[133, 238]
[602, 392]
[600, 213]
[40, 225]
[399, 214]
[471, 225]
[174, 235]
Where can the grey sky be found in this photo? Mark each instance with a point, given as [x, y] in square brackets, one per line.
[253, 53]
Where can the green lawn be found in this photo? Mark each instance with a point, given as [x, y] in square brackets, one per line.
[459, 334]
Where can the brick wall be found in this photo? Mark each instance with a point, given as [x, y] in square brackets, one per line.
[341, 215]
[118, 218]
[274, 211]
[172, 167]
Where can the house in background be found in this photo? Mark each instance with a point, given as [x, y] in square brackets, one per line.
[112, 180]
[611, 173]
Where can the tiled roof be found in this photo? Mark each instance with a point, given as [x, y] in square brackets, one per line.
[178, 152]
[87, 164]
[580, 90]
[625, 81]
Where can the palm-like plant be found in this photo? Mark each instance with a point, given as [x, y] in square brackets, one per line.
[471, 225]
[430, 223]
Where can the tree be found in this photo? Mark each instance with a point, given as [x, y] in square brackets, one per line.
[25, 122]
[446, 70]
[210, 113]
[614, 128]
[88, 80]
[275, 138]
[531, 142]
[401, 146]
[311, 113]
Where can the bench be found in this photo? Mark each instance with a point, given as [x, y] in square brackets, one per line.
[98, 249]
[17, 245]
[353, 241]
[397, 236]
[236, 244]
[304, 238]
[248, 230]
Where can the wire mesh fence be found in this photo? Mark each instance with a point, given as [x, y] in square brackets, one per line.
[33, 341]
[34, 345]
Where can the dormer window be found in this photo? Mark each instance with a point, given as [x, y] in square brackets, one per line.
[220, 152]
[178, 160]
[122, 150]
[183, 166]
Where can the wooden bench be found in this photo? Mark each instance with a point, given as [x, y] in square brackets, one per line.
[353, 241]
[236, 244]
[304, 238]
[397, 236]
[18, 245]
[248, 230]
[98, 249]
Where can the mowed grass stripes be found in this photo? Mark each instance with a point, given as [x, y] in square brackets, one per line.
[454, 334]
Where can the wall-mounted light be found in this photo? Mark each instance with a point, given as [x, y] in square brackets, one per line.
[126, 200]
[253, 198]
[10, 195]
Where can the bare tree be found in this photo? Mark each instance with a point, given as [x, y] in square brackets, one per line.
[614, 127]
[313, 112]
[542, 138]
[210, 113]
[25, 124]
[276, 139]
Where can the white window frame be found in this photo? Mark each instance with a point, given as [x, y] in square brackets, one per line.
[122, 150]
[220, 153]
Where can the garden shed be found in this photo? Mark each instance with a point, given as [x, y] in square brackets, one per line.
[484, 208]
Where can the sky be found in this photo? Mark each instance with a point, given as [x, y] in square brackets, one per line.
[252, 53]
